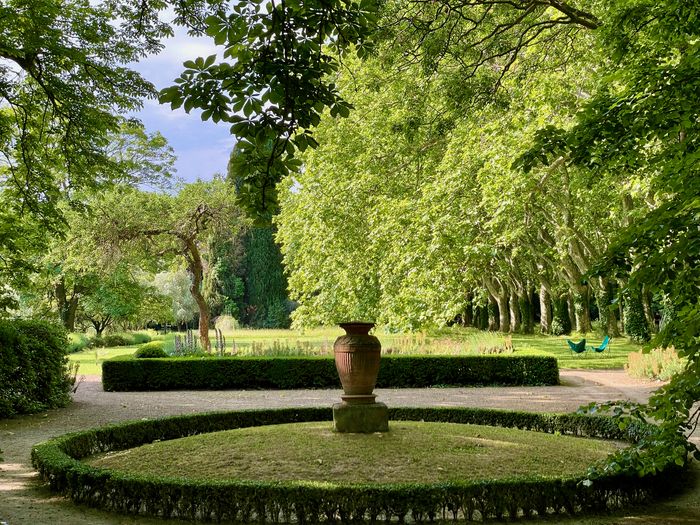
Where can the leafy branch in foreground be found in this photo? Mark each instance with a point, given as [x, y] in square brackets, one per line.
[274, 82]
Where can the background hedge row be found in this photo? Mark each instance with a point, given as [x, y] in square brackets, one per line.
[126, 373]
[58, 462]
[33, 367]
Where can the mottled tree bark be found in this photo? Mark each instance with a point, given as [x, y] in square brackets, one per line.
[581, 309]
[196, 269]
[493, 313]
[545, 310]
[514, 309]
[499, 293]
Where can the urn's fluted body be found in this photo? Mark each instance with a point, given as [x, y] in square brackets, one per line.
[357, 357]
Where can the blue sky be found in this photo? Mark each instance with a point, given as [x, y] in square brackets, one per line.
[202, 148]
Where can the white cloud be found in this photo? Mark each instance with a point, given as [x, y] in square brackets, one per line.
[202, 148]
[162, 69]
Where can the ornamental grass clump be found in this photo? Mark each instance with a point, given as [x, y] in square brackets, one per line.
[659, 363]
[476, 343]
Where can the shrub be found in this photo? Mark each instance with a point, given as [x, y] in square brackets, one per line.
[154, 349]
[117, 340]
[96, 342]
[636, 325]
[77, 343]
[58, 462]
[125, 339]
[660, 363]
[215, 373]
[139, 338]
[226, 323]
[33, 367]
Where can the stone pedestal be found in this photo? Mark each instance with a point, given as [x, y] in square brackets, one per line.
[363, 418]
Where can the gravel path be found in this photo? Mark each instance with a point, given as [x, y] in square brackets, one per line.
[25, 501]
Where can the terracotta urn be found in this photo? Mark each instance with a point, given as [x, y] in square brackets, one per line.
[357, 356]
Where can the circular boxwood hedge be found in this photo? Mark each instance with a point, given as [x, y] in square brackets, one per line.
[58, 462]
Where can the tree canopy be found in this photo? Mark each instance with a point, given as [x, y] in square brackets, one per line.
[579, 173]
[133, 224]
[64, 90]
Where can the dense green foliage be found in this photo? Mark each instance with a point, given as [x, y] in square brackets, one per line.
[64, 91]
[432, 220]
[126, 373]
[643, 127]
[157, 229]
[600, 205]
[58, 462]
[636, 325]
[276, 84]
[412, 211]
[265, 300]
[33, 367]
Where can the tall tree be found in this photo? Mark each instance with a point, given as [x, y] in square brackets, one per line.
[111, 299]
[284, 57]
[68, 267]
[171, 226]
[643, 123]
[266, 300]
[63, 85]
[64, 88]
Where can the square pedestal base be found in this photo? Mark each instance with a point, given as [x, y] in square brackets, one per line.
[360, 418]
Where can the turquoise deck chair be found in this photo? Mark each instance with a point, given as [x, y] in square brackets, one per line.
[577, 348]
[603, 346]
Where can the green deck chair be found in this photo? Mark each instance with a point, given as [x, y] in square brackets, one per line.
[577, 348]
[603, 346]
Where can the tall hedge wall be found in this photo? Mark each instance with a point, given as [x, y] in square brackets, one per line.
[126, 373]
[33, 367]
[58, 462]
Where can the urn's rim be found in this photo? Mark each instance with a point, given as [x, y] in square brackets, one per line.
[362, 326]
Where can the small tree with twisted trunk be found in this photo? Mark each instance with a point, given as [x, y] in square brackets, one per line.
[161, 228]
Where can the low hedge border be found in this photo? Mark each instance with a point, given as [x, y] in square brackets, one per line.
[58, 462]
[125, 373]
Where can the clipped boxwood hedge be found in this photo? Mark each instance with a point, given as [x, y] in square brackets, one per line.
[125, 373]
[58, 462]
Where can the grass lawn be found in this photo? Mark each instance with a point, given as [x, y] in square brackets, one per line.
[411, 452]
[614, 357]
[90, 360]
[444, 341]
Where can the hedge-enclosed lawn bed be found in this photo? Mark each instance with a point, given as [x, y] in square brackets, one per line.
[125, 373]
[412, 452]
[59, 462]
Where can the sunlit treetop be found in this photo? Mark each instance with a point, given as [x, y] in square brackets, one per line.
[281, 57]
